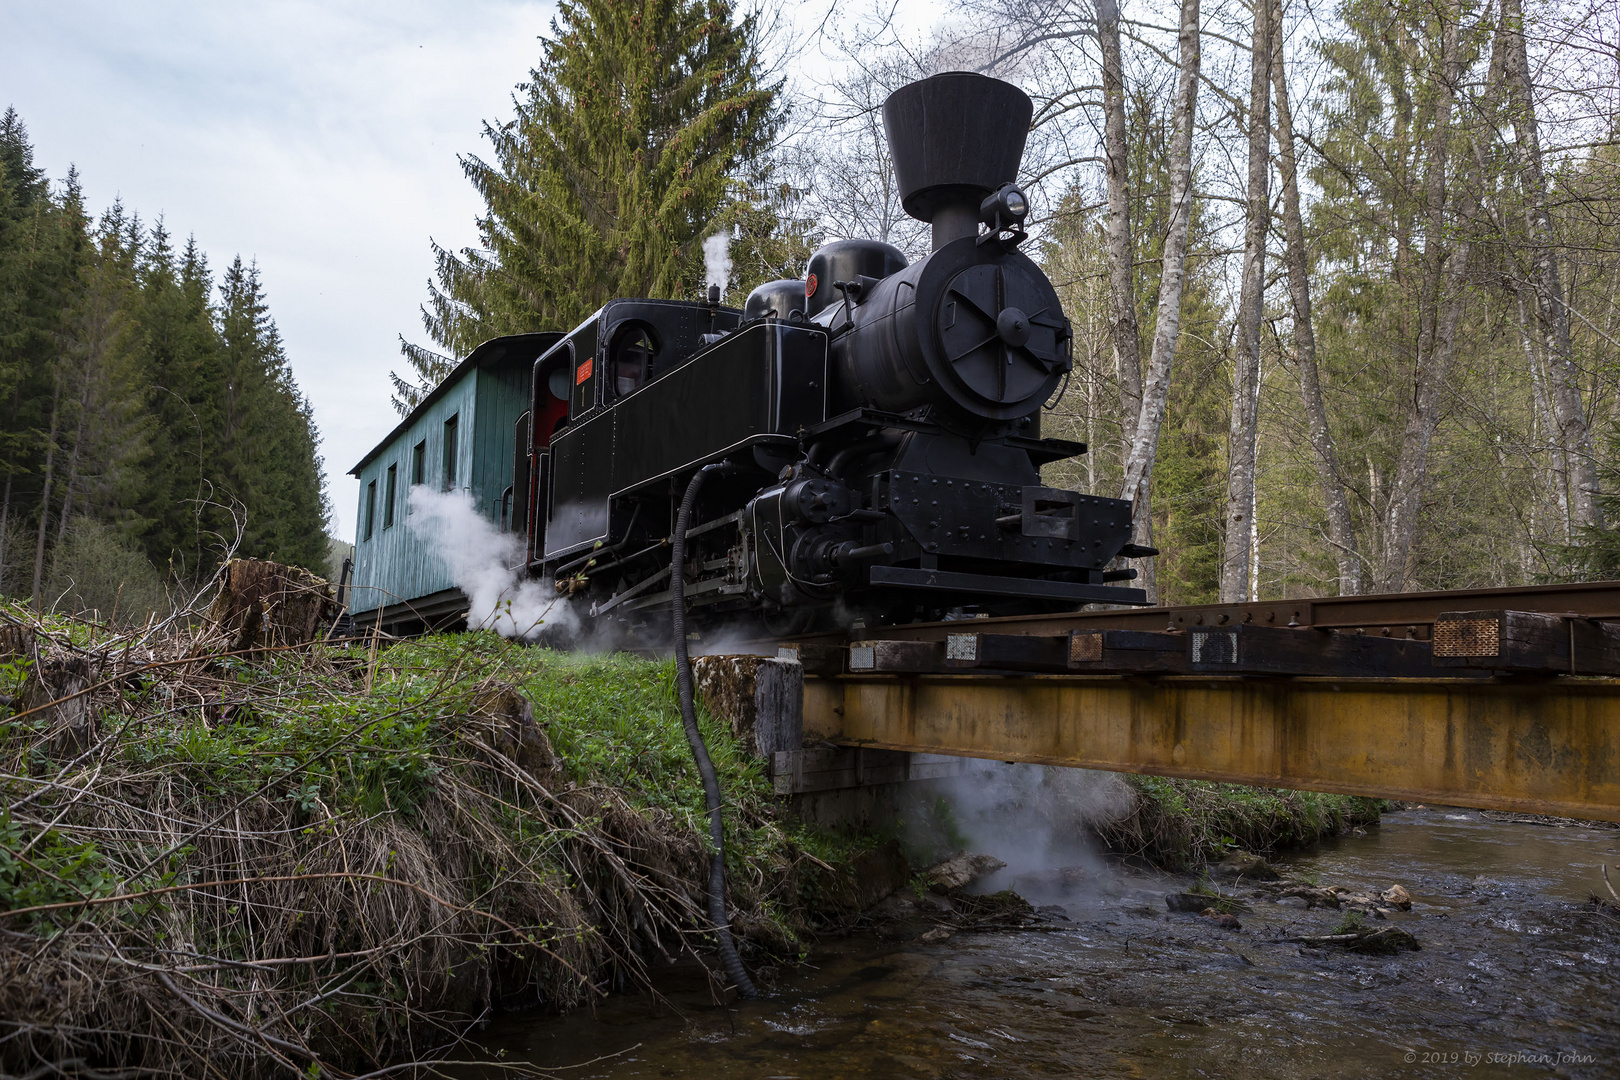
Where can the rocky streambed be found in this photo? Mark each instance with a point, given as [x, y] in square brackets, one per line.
[1089, 970]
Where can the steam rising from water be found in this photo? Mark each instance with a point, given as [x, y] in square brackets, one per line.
[1037, 819]
[479, 558]
[717, 261]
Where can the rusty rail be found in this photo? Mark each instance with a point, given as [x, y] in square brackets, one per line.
[1389, 615]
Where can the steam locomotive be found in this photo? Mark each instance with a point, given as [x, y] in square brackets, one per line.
[879, 421]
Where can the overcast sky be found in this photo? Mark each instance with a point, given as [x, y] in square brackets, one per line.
[317, 138]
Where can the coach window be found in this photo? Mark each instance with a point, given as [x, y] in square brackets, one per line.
[371, 508]
[450, 426]
[630, 358]
[390, 492]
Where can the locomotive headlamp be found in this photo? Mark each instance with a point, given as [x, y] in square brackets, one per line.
[1004, 212]
[1006, 207]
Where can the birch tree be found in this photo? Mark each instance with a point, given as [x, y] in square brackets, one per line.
[1123, 331]
[1574, 437]
[1235, 563]
[1341, 533]
[1167, 322]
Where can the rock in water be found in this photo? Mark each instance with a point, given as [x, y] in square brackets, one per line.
[1221, 919]
[960, 872]
[1195, 903]
[1397, 897]
[1386, 941]
[1383, 941]
[1313, 896]
[1241, 864]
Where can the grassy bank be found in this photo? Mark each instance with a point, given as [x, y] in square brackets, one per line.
[321, 860]
[1183, 824]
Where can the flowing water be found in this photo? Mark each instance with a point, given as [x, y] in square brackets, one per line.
[1517, 976]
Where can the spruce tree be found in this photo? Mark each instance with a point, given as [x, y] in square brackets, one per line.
[267, 458]
[186, 522]
[138, 420]
[109, 430]
[618, 164]
[43, 250]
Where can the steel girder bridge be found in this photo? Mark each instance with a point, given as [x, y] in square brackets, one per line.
[1504, 699]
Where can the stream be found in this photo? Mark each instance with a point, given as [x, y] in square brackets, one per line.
[1517, 976]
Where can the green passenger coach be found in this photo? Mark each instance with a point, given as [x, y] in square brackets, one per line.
[460, 438]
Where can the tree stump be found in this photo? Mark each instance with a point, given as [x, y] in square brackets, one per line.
[15, 640]
[56, 693]
[264, 604]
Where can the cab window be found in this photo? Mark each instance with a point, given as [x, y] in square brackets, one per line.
[630, 359]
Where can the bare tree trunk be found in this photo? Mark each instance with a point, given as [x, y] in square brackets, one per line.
[1123, 329]
[73, 457]
[1240, 493]
[45, 493]
[5, 524]
[1167, 323]
[1560, 478]
[1564, 376]
[1341, 527]
[1440, 308]
[5, 507]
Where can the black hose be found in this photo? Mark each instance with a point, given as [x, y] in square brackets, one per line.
[694, 738]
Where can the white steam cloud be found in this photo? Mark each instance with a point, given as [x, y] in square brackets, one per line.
[480, 559]
[717, 261]
[1037, 819]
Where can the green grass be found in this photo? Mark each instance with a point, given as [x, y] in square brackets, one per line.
[1352, 923]
[303, 730]
[1181, 824]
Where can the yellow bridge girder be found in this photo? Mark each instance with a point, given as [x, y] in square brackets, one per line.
[1543, 747]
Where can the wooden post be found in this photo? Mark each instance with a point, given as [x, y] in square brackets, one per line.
[896, 656]
[761, 698]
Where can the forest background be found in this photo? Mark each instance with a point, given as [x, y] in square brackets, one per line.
[149, 422]
[1342, 280]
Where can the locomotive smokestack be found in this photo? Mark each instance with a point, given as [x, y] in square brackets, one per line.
[955, 139]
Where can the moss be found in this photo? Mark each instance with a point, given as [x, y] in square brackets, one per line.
[1350, 924]
[1184, 824]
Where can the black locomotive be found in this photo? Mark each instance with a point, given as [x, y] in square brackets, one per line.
[880, 421]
